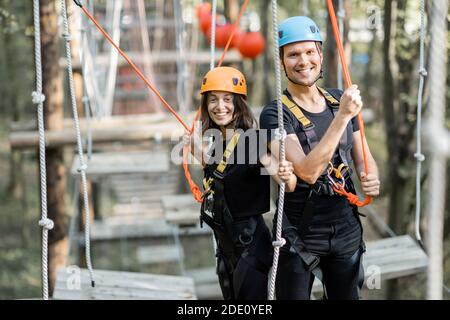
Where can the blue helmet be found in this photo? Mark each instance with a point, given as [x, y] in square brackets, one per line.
[299, 28]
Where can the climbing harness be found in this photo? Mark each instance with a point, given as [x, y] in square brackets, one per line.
[338, 187]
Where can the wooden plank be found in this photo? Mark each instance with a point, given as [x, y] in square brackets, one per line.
[122, 285]
[163, 56]
[137, 210]
[101, 123]
[207, 291]
[395, 257]
[132, 131]
[136, 228]
[158, 254]
[130, 162]
[145, 185]
[202, 275]
[167, 131]
[181, 209]
[206, 282]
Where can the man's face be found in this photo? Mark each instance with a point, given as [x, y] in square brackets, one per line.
[303, 62]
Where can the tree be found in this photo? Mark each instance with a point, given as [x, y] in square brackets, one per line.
[400, 54]
[53, 107]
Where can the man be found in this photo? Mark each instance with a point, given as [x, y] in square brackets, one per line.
[322, 229]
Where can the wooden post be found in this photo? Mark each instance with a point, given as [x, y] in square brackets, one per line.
[53, 108]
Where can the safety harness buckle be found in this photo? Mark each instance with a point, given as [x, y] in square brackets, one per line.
[308, 126]
[218, 175]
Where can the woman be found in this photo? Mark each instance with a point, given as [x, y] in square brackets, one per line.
[237, 190]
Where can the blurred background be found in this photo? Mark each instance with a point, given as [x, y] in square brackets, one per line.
[128, 134]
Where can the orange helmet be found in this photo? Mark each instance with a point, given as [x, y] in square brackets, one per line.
[224, 79]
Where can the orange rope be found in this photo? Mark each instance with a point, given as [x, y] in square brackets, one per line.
[348, 82]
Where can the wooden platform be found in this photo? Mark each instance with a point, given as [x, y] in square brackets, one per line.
[112, 285]
[181, 209]
[108, 163]
[158, 254]
[135, 228]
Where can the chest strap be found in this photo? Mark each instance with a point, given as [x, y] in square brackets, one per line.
[220, 169]
[345, 143]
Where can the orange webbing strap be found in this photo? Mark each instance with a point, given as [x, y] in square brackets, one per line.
[194, 188]
[132, 64]
[348, 82]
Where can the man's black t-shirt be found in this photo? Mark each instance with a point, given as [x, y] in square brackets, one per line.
[246, 187]
[294, 201]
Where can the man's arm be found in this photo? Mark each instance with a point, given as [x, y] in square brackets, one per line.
[310, 167]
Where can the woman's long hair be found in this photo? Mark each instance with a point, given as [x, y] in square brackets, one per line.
[242, 116]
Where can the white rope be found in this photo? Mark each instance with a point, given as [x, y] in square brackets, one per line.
[83, 166]
[213, 36]
[280, 135]
[436, 135]
[418, 155]
[38, 99]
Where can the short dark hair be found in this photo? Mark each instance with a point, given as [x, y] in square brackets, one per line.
[242, 116]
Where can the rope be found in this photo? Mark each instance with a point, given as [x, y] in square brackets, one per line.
[418, 155]
[38, 99]
[348, 83]
[83, 166]
[280, 135]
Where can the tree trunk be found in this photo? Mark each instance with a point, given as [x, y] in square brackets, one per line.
[56, 179]
[397, 109]
[331, 54]
[231, 10]
[267, 63]
[15, 188]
